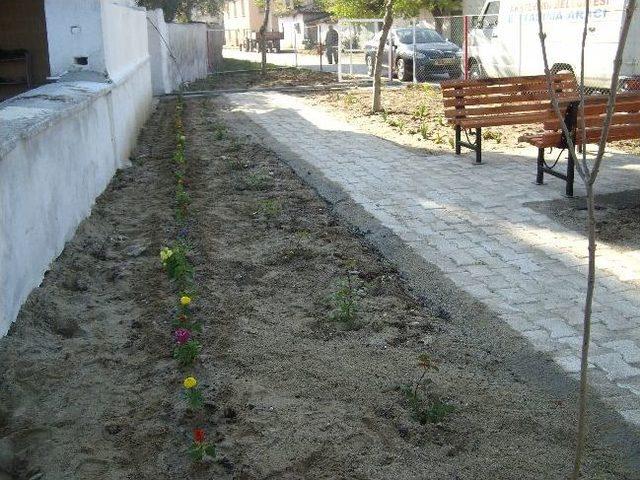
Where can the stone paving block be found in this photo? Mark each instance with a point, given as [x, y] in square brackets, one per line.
[615, 366]
[556, 327]
[522, 265]
[629, 350]
[631, 416]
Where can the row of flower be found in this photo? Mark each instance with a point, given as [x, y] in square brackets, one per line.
[186, 327]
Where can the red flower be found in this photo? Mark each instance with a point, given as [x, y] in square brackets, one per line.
[198, 435]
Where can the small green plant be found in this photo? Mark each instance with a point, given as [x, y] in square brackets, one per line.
[420, 112]
[269, 209]
[176, 263]
[492, 135]
[178, 157]
[425, 411]
[257, 181]
[425, 131]
[297, 246]
[200, 448]
[192, 393]
[349, 98]
[182, 197]
[346, 298]
[439, 137]
[384, 114]
[186, 352]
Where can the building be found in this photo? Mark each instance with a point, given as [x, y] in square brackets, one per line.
[242, 19]
[301, 25]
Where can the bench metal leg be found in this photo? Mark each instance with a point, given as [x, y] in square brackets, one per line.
[476, 146]
[570, 176]
[540, 173]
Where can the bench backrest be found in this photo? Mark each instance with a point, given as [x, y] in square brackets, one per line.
[504, 101]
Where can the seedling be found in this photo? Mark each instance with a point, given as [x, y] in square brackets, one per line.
[492, 135]
[421, 112]
[187, 352]
[423, 410]
[200, 448]
[177, 265]
[257, 181]
[192, 393]
[269, 209]
[346, 298]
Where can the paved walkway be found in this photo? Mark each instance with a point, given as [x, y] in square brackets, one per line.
[471, 222]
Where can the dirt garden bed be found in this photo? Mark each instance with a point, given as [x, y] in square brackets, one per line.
[414, 116]
[247, 75]
[296, 383]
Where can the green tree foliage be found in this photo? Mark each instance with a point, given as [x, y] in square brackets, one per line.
[402, 8]
[182, 10]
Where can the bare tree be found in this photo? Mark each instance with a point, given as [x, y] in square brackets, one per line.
[263, 37]
[588, 172]
[377, 70]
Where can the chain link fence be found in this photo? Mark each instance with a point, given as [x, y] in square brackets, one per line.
[493, 45]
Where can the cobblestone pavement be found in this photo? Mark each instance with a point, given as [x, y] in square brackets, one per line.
[472, 223]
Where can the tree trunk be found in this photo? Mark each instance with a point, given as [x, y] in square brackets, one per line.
[263, 39]
[377, 71]
[586, 332]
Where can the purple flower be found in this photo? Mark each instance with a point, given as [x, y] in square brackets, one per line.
[183, 232]
[181, 336]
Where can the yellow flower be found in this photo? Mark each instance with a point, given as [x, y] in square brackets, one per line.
[165, 254]
[185, 300]
[190, 382]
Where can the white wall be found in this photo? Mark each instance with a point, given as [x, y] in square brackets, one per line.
[189, 46]
[60, 144]
[178, 52]
[74, 29]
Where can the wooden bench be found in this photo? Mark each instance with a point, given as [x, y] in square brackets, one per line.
[474, 104]
[625, 125]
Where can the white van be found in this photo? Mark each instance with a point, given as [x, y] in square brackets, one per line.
[504, 41]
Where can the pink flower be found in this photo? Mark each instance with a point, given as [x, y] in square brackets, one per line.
[181, 336]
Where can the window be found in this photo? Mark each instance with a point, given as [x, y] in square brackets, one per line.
[423, 35]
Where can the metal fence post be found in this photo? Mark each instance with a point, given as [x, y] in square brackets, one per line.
[465, 40]
[340, 39]
[390, 60]
[415, 78]
[350, 49]
[295, 46]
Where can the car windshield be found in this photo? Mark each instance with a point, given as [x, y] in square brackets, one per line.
[423, 35]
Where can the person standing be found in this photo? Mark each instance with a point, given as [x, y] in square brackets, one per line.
[331, 42]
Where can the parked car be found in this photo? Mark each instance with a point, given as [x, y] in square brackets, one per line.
[433, 54]
[504, 41]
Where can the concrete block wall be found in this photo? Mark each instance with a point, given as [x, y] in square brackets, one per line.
[60, 145]
[178, 52]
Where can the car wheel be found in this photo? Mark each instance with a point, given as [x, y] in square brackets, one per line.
[369, 60]
[404, 73]
[455, 73]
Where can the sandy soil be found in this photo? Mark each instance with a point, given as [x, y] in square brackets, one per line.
[414, 116]
[617, 216]
[288, 77]
[89, 390]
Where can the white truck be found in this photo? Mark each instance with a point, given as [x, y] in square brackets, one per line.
[504, 41]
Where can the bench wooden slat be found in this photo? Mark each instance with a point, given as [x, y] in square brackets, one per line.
[502, 99]
[497, 120]
[554, 139]
[566, 85]
[597, 121]
[501, 81]
[499, 110]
